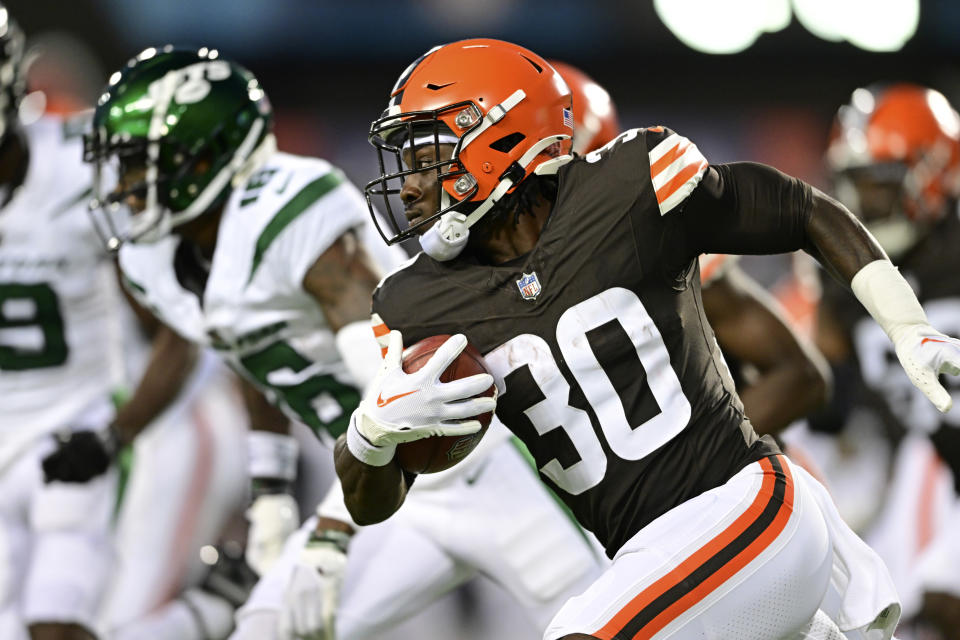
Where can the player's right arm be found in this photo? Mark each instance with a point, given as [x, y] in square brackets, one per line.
[792, 377]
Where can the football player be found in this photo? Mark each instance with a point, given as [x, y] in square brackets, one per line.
[262, 255]
[791, 377]
[58, 304]
[69, 349]
[63, 352]
[895, 158]
[577, 278]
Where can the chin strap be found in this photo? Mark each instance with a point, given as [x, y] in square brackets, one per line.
[445, 240]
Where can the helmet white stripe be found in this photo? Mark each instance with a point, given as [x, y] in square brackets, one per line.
[494, 116]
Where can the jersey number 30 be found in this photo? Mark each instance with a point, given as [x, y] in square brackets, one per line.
[622, 368]
[31, 327]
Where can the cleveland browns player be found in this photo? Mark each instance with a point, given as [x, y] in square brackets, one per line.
[578, 280]
[894, 156]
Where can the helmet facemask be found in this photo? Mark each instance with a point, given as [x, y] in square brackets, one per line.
[165, 175]
[392, 136]
[12, 81]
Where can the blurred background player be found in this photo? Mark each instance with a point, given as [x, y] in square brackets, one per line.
[59, 363]
[74, 566]
[296, 324]
[895, 158]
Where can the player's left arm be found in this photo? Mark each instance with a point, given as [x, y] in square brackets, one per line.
[793, 378]
[749, 208]
[84, 455]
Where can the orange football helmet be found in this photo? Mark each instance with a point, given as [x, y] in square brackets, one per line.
[506, 111]
[901, 132]
[594, 113]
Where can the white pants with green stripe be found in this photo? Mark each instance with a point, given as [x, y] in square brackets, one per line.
[494, 519]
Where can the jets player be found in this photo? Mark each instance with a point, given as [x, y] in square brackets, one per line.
[58, 304]
[262, 255]
[790, 375]
[62, 358]
[577, 278]
[895, 158]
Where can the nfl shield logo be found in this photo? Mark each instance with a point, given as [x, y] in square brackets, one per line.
[529, 286]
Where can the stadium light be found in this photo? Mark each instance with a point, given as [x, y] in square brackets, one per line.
[731, 26]
[874, 25]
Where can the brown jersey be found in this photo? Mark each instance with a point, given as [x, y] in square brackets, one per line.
[607, 368]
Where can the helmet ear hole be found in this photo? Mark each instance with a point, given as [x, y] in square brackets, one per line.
[507, 142]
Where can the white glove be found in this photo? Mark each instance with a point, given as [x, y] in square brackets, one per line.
[312, 596]
[925, 353]
[273, 517]
[402, 407]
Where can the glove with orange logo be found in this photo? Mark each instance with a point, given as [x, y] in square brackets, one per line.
[401, 407]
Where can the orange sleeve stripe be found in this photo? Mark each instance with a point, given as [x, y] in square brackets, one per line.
[704, 553]
[380, 330]
[679, 180]
[656, 129]
[667, 159]
[383, 352]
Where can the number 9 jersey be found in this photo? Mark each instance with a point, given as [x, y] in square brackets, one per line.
[606, 366]
[60, 352]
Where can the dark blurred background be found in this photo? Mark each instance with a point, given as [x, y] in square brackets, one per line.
[328, 65]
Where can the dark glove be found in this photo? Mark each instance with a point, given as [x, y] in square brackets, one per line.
[81, 456]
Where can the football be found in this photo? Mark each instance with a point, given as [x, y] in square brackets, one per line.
[438, 453]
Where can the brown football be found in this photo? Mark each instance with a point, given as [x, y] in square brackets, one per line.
[438, 453]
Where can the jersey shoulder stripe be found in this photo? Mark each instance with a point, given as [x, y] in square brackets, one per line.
[299, 203]
[676, 168]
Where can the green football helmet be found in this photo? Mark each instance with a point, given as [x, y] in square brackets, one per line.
[173, 132]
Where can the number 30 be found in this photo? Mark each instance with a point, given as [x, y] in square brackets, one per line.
[627, 440]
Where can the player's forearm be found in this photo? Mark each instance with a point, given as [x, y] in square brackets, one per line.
[172, 360]
[781, 395]
[372, 494]
[838, 240]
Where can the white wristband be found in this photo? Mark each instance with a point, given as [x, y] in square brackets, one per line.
[365, 452]
[887, 297]
[272, 455]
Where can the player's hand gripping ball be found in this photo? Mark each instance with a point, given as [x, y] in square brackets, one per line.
[438, 453]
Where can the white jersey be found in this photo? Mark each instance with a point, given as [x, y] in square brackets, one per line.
[59, 335]
[254, 310]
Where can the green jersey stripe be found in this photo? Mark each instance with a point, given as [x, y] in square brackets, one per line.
[289, 212]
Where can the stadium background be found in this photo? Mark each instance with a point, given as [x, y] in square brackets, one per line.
[328, 67]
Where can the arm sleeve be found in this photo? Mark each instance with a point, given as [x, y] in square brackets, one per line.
[745, 208]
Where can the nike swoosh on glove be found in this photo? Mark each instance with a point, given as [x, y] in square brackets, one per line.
[312, 596]
[925, 353]
[402, 407]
